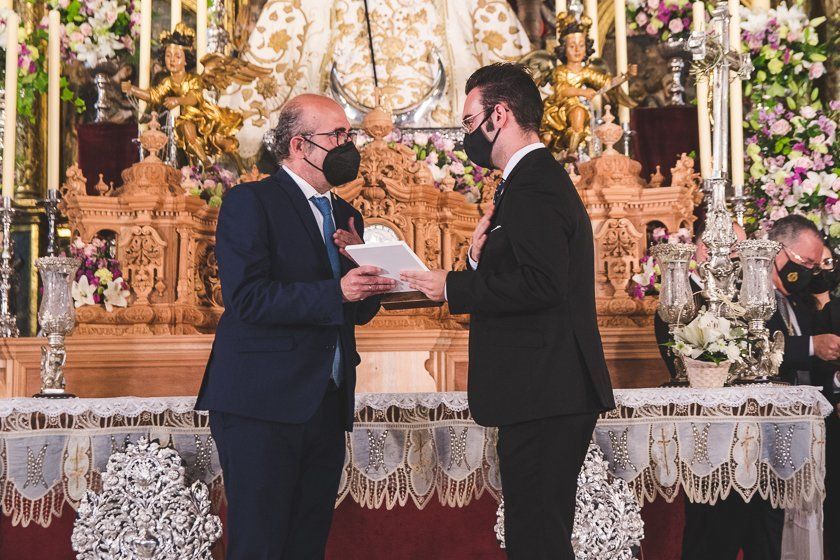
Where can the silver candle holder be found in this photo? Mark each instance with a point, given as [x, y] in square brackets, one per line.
[50, 204]
[8, 321]
[57, 317]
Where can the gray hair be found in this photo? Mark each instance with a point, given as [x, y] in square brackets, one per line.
[788, 229]
[289, 125]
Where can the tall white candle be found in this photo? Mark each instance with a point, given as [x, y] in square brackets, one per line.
[144, 76]
[736, 104]
[761, 5]
[621, 54]
[7, 5]
[53, 101]
[704, 125]
[559, 6]
[592, 12]
[200, 31]
[175, 13]
[10, 123]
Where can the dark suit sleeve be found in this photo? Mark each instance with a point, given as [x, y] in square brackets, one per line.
[797, 348]
[244, 257]
[538, 230]
[823, 372]
[366, 309]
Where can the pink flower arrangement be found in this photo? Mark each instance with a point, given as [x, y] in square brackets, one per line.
[210, 185]
[97, 30]
[99, 279]
[662, 19]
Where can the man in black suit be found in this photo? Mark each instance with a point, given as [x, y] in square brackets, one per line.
[537, 368]
[280, 380]
[720, 531]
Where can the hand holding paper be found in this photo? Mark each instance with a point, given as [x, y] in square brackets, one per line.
[432, 282]
[392, 257]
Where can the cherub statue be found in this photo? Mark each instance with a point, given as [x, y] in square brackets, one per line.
[683, 174]
[574, 82]
[203, 130]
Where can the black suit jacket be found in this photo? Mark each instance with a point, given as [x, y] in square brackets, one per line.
[535, 349]
[827, 321]
[275, 343]
[797, 347]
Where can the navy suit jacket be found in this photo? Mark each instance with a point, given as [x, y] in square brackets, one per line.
[275, 343]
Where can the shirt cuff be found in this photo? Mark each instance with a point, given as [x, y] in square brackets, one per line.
[473, 264]
[810, 345]
[836, 381]
[445, 297]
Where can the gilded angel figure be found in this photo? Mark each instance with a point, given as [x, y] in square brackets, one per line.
[203, 130]
[574, 82]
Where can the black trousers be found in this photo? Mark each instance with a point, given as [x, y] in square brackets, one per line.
[281, 482]
[539, 463]
[719, 531]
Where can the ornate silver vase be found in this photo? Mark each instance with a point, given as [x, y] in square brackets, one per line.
[57, 317]
[675, 51]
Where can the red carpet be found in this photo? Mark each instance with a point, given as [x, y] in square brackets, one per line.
[437, 532]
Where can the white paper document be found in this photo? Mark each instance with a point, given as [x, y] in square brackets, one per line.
[391, 256]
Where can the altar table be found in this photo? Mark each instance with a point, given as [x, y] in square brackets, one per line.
[424, 450]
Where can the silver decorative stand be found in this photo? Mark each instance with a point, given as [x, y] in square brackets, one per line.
[8, 321]
[57, 317]
[626, 137]
[674, 51]
[50, 204]
[755, 302]
[146, 510]
[101, 107]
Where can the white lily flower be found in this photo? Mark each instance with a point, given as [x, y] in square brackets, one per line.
[82, 292]
[115, 295]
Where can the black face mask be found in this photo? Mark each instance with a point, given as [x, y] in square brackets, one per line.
[796, 279]
[824, 281]
[478, 148]
[341, 164]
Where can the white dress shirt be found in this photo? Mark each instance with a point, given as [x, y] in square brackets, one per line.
[309, 192]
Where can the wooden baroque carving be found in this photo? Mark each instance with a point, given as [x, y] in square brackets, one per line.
[142, 260]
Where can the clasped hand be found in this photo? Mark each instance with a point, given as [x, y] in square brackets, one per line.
[364, 281]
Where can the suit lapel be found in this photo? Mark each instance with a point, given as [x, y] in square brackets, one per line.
[511, 180]
[304, 211]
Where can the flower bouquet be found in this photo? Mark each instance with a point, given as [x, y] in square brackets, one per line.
[647, 280]
[32, 69]
[97, 30]
[99, 279]
[708, 346]
[661, 19]
[210, 185]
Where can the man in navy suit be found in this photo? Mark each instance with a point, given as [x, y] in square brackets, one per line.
[281, 376]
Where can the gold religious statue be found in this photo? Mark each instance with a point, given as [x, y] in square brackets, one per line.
[574, 82]
[203, 130]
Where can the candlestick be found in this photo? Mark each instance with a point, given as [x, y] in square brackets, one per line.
[592, 12]
[10, 122]
[54, 101]
[145, 63]
[200, 32]
[8, 321]
[175, 13]
[621, 55]
[704, 125]
[736, 107]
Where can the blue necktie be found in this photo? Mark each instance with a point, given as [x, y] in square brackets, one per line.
[323, 205]
[499, 190]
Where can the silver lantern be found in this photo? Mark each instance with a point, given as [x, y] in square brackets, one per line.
[676, 300]
[57, 317]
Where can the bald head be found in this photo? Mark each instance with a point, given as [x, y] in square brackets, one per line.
[305, 133]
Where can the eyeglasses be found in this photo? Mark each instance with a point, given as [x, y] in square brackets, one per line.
[341, 136]
[807, 263]
[827, 264]
[467, 122]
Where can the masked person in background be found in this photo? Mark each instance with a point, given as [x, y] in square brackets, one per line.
[280, 380]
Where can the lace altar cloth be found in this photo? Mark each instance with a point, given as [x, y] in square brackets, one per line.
[761, 440]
